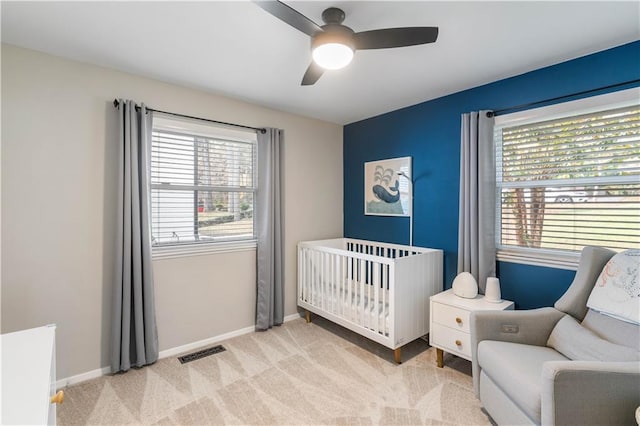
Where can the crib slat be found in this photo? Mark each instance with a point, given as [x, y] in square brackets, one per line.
[353, 302]
[305, 274]
[363, 277]
[335, 283]
[345, 278]
[309, 285]
[327, 282]
[316, 279]
[323, 281]
[369, 281]
[384, 279]
[385, 299]
[349, 281]
[376, 292]
[312, 266]
[340, 284]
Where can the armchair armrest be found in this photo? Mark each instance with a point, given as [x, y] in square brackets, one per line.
[590, 392]
[531, 327]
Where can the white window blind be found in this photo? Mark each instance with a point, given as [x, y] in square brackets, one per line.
[203, 183]
[570, 182]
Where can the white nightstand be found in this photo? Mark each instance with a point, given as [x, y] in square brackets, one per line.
[449, 326]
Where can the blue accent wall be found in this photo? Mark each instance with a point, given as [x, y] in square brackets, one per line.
[430, 133]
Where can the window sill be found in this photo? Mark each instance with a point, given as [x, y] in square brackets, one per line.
[186, 250]
[540, 257]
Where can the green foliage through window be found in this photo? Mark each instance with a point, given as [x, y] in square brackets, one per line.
[570, 182]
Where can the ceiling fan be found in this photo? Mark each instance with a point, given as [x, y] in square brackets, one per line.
[333, 44]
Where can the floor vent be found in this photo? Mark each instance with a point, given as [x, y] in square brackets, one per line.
[201, 354]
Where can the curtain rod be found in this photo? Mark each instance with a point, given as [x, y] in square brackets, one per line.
[558, 98]
[258, 129]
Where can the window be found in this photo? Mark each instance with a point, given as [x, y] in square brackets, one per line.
[568, 176]
[203, 185]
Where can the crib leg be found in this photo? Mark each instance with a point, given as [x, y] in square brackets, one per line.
[397, 355]
[307, 316]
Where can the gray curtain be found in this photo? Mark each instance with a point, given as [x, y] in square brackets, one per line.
[134, 333]
[476, 230]
[270, 285]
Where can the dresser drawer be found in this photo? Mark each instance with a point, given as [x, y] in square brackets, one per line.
[448, 339]
[452, 317]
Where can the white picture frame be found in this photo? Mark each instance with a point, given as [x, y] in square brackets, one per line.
[386, 191]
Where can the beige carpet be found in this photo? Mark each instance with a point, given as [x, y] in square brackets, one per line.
[298, 373]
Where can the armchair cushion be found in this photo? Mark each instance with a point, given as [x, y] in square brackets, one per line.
[520, 380]
[581, 344]
[609, 328]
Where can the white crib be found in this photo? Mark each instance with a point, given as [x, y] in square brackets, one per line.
[378, 290]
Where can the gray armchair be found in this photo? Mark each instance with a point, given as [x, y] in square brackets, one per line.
[528, 371]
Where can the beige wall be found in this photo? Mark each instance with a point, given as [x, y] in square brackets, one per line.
[58, 205]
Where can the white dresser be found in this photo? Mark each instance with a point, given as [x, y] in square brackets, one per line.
[449, 323]
[29, 377]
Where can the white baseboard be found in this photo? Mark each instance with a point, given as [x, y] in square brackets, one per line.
[204, 342]
[83, 377]
[212, 340]
[293, 316]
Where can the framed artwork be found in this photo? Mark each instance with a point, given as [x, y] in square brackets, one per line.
[386, 191]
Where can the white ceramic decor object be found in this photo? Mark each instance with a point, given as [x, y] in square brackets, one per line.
[465, 285]
[492, 291]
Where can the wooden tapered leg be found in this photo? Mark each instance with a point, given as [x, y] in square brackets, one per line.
[439, 357]
[307, 316]
[397, 355]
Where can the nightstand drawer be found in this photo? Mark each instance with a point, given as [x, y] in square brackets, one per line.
[452, 317]
[454, 341]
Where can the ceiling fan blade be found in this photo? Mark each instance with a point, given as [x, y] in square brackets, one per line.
[313, 73]
[290, 16]
[395, 37]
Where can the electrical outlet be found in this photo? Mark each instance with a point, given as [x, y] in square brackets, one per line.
[510, 328]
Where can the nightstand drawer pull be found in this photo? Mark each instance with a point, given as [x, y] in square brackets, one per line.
[459, 320]
[458, 343]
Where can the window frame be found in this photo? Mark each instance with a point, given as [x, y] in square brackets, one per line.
[560, 259]
[165, 122]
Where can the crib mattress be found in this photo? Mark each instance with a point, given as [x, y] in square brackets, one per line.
[361, 309]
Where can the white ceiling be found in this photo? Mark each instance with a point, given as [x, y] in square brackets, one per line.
[238, 50]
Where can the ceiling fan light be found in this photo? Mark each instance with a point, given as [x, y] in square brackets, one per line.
[332, 56]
